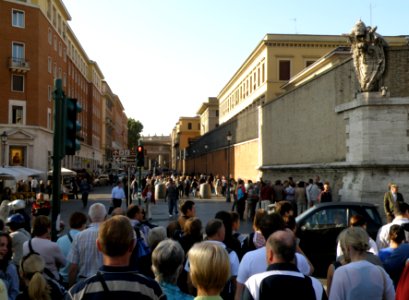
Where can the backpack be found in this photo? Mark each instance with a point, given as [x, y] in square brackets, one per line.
[141, 249]
[46, 270]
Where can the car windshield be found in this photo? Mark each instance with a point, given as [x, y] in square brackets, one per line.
[327, 218]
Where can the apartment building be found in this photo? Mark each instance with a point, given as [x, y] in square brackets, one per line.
[38, 46]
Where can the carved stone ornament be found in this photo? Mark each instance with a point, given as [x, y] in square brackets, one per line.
[369, 57]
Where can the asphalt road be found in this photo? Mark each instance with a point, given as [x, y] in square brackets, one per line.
[205, 208]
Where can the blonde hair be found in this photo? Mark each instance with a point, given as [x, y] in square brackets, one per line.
[31, 268]
[355, 237]
[209, 266]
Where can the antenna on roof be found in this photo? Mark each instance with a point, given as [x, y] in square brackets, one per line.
[295, 25]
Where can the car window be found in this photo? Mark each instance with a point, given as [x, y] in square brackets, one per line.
[327, 218]
[373, 214]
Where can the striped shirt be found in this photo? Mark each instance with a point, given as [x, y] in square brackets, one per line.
[84, 251]
[122, 282]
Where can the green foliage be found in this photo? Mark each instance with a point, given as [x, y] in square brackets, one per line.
[134, 132]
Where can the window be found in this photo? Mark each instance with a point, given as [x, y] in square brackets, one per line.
[60, 49]
[284, 70]
[49, 116]
[18, 52]
[55, 43]
[17, 114]
[17, 83]
[50, 93]
[217, 113]
[309, 63]
[50, 36]
[18, 18]
[50, 65]
[189, 126]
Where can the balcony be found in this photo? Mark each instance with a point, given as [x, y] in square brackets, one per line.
[19, 65]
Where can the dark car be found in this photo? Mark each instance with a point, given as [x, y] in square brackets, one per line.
[319, 227]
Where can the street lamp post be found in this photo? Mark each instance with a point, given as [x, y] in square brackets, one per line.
[228, 137]
[3, 143]
[194, 163]
[205, 146]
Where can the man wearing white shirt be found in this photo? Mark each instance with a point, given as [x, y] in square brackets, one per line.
[401, 211]
[255, 262]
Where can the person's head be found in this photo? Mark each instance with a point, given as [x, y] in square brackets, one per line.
[285, 209]
[40, 197]
[215, 230]
[135, 212]
[193, 227]
[401, 208]
[172, 229]
[5, 248]
[353, 238]
[270, 223]
[155, 236]
[188, 208]
[167, 261]
[281, 247]
[397, 234]
[326, 187]
[235, 220]
[357, 220]
[226, 218]
[97, 213]
[394, 188]
[31, 269]
[78, 220]
[116, 237]
[260, 213]
[41, 227]
[15, 222]
[209, 267]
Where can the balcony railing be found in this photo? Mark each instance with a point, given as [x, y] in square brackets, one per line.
[17, 64]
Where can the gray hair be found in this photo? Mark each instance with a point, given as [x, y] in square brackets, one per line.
[167, 261]
[155, 236]
[97, 212]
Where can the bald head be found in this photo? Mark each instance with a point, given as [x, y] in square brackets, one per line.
[282, 244]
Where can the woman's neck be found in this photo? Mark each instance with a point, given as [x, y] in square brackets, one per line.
[212, 292]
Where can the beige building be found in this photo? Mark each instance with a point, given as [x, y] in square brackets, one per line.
[209, 115]
[186, 130]
[157, 152]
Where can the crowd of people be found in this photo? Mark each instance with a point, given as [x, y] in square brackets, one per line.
[115, 253]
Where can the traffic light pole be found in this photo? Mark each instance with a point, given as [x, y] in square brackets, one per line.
[139, 185]
[57, 156]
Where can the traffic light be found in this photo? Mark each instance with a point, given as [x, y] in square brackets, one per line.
[140, 156]
[71, 126]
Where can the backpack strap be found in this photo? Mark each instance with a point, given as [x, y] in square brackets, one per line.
[30, 247]
[69, 236]
[104, 285]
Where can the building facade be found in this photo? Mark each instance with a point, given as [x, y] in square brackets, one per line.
[38, 46]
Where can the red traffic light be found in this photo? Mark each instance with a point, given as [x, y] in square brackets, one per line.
[140, 149]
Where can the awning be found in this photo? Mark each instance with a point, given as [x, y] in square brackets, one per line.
[18, 173]
[65, 172]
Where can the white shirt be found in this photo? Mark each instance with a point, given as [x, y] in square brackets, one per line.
[382, 239]
[255, 262]
[361, 280]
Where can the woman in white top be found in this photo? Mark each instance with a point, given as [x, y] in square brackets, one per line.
[359, 279]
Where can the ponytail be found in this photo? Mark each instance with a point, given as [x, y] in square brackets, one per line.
[38, 287]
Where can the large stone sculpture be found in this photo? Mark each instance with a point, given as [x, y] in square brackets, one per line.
[369, 57]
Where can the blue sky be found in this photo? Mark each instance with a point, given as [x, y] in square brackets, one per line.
[163, 58]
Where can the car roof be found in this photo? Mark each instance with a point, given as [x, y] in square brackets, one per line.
[346, 203]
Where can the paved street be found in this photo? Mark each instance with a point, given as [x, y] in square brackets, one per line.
[205, 208]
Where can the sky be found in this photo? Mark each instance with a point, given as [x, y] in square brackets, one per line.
[164, 58]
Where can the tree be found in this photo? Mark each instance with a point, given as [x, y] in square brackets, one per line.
[134, 132]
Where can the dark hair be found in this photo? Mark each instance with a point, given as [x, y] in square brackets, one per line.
[226, 218]
[193, 227]
[235, 217]
[187, 205]
[213, 226]
[283, 207]
[41, 225]
[397, 234]
[132, 211]
[291, 223]
[77, 220]
[116, 236]
[5, 261]
[400, 208]
[270, 223]
[357, 220]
